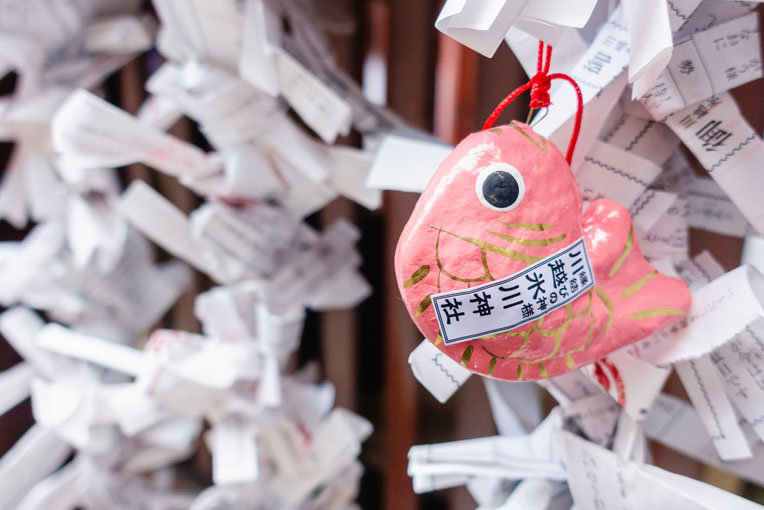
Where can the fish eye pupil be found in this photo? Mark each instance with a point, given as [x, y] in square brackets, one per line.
[500, 189]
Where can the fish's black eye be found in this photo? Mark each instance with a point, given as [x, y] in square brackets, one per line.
[500, 187]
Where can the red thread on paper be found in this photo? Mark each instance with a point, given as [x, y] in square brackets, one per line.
[539, 85]
[619, 386]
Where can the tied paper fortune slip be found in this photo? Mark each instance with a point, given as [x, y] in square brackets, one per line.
[500, 206]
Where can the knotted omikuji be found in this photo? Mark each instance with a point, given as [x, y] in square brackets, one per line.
[502, 201]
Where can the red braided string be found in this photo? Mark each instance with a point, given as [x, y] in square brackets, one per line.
[540, 84]
[579, 113]
[511, 97]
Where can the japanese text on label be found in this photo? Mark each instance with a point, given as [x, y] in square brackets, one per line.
[523, 297]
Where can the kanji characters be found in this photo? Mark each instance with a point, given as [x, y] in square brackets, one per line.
[700, 111]
[483, 308]
[594, 64]
[450, 307]
[512, 298]
[613, 42]
[712, 135]
[577, 265]
[559, 275]
[537, 280]
[524, 297]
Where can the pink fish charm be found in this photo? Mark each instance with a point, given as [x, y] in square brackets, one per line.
[503, 200]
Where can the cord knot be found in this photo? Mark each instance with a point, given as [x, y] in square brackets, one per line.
[540, 85]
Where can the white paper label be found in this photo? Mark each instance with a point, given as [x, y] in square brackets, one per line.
[523, 297]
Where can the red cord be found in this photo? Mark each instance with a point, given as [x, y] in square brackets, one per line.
[540, 84]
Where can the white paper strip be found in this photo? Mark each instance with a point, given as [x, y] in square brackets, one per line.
[118, 357]
[515, 406]
[37, 454]
[537, 494]
[600, 74]
[669, 236]
[234, 454]
[318, 105]
[712, 210]
[20, 326]
[60, 491]
[718, 135]
[713, 61]
[706, 391]
[630, 381]
[405, 164]
[158, 219]
[92, 132]
[599, 479]
[650, 41]
[438, 373]
[14, 385]
[647, 139]
[753, 252]
[610, 172]
[676, 424]
[740, 363]
[595, 417]
[720, 310]
[650, 207]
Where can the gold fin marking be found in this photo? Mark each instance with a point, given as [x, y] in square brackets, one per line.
[656, 312]
[543, 372]
[438, 339]
[419, 275]
[527, 242]
[484, 261]
[588, 308]
[610, 309]
[556, 334]
[570, 363]
[499, 250]
[588, 337]
[426, 302]
[520, 372]
[540, 146]
[535, 227]
[495, 131]
[524, 344]
[491, 367]
[634, 287]
[467, 355]
[449, 275]
[626, 250]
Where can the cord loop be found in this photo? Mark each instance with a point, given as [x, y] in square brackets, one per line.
[540, 83]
